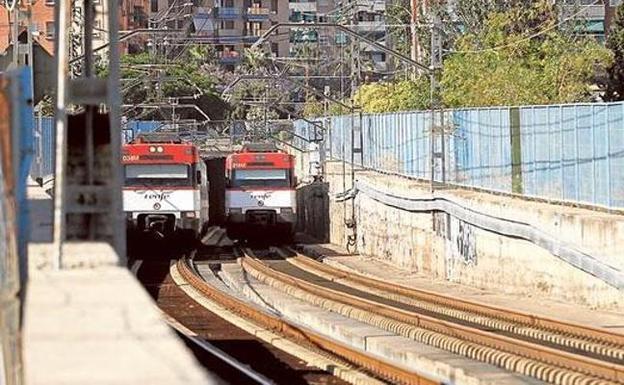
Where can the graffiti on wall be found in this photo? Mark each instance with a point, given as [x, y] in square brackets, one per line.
[459, 241]
[465, 243]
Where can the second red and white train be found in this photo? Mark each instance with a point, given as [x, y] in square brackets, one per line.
[260, 194]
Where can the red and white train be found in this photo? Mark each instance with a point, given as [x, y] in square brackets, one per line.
[165, 190]
[260, 195]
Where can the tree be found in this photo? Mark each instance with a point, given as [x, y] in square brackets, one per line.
[313, 108]
[398, 15]
[149, 79]
[394, 96]
[522, 56]
[615, 42]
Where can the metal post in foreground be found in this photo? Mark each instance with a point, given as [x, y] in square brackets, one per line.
[60, 122]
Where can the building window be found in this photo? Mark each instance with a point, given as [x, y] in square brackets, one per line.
[97, 29]
[227, 24]
[50, 30]
[139, 18]
[154, 6]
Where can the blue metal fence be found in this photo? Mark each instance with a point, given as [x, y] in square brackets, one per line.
[44, 140]
[43, 161]
[16, 150]
[572, 153]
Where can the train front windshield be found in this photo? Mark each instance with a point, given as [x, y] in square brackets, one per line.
[168, 175]
[260, 178]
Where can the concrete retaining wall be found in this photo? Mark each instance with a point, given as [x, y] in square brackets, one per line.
[313, 210]
[444, 247]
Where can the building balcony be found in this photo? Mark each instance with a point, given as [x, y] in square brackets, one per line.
[253, 36]
[230, 40]
[308, 7]
[228, 32]
[582, 12]
[229, 57]
[302, 17]
[257, 14]
[299, 36]
[370, 26]
[227, 13]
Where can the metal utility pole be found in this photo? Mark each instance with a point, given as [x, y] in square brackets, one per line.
[174, 103]
[436, 132]
[15, 36]
[416, 53]
[266, 109]
[87, 201]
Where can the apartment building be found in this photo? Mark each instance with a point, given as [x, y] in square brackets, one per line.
[42, 25]
[236, 24]
[367, 17]
[594, 16]
[132, 15]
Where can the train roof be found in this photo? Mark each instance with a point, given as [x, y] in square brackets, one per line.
[158, 138]
[259, 147]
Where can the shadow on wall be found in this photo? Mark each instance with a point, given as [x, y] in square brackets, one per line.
[313, 211]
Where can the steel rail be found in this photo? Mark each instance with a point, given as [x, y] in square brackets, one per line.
[495, 345]
[592, 334]
[292, 332]
[205, 345]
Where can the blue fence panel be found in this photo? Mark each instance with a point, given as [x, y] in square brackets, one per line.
[481, 149]
[568, 153]
[572, 152]
[139, 126]
[615, 157]
[44, 139]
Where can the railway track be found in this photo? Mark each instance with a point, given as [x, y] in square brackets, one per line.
[225, 350]
[546, 349]
[339, 352]
[579, 339]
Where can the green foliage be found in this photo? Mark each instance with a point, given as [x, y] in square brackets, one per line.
[615, 42]
[254, 58]
[398, 15]
[147, 79]
[397, 96]
[336, 109]
[472, 14]
[313, 109]
[507, 64]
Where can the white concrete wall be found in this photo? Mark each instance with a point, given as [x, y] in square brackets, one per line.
[443, 247]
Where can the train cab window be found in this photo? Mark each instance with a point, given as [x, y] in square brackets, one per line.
[157, 175]
[260, 178]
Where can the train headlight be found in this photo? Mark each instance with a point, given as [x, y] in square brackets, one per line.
[286, 210]
[235, 210]
[157, 206]
[188, 214]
